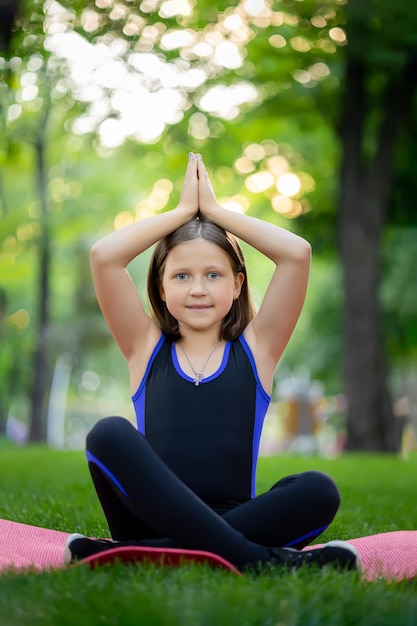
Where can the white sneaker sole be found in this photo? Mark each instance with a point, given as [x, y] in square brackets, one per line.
[337, 543]
[67, 551]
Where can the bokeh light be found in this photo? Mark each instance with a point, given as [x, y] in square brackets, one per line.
[289, 184]
[20, 318]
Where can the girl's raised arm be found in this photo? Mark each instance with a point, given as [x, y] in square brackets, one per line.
[271, 329]
[131, 327]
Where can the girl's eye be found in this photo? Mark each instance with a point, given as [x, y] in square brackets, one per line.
[213, 275]
[182, 276]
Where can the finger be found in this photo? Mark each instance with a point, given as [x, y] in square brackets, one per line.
[192, 165]
[201, 168]
[203, 175]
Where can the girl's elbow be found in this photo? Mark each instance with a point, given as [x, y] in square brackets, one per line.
[303, 252]
[96, 253]
[307, 249]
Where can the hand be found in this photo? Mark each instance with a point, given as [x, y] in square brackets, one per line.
[189, 193]
[206, 196]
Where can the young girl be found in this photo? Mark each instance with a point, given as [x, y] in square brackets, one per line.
[201, 371]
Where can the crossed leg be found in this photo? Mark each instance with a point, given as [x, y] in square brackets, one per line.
[144, 501]
[296, 510]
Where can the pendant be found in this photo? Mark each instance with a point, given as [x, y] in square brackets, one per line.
[199, 377]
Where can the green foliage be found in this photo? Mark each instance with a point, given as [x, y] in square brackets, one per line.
[315, 343]
[89, 186]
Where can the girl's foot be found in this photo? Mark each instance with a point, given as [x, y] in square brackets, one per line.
[339, 554]
[78, 547]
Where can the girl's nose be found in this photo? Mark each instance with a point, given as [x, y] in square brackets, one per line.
[197, 287]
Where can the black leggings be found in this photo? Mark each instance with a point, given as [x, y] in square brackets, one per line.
[144, 501]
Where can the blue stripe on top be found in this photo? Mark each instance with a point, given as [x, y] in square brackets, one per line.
[262, 402]
[138, 398]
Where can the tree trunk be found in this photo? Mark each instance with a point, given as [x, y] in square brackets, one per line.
[365, 184]
[40, 379]
[371, 422]
[37, 431]
[8, 12]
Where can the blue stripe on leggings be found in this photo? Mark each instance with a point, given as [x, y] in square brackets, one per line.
[312, 535]
[92, 459]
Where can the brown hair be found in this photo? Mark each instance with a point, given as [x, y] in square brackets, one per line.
[242, 309]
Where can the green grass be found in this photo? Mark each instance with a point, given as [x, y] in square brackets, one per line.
[53, 489]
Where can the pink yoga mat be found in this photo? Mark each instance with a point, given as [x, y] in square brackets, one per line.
[392, 556]
[25, 547]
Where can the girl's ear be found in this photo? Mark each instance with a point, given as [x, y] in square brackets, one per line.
[161, 292]
[239, 280]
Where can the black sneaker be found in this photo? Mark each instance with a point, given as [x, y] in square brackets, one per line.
[78, 547]
[339, 554]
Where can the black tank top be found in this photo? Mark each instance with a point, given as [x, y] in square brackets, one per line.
[207, 434]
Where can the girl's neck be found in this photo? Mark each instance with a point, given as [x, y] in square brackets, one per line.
[199, 341]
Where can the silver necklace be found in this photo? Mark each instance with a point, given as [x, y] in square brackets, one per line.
[199, 376]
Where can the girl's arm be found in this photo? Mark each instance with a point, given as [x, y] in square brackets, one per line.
[271, 329]
[132, 328]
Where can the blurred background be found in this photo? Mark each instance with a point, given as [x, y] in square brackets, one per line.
[305, 112]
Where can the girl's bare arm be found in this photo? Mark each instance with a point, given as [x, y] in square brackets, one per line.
[117, 295]
[271, 329]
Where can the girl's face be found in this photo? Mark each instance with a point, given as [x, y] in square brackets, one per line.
[198, 284]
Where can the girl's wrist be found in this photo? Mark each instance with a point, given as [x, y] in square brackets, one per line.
[213, 211]
[187, 212]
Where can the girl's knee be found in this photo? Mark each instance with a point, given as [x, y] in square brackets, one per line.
[108, 430]
[324, 488]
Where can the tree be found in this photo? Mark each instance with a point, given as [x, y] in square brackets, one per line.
[376, 110]
[28, 122]
[35, 132]
[371, 114]
[40, 363]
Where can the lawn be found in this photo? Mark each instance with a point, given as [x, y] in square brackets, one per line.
[52, 489]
